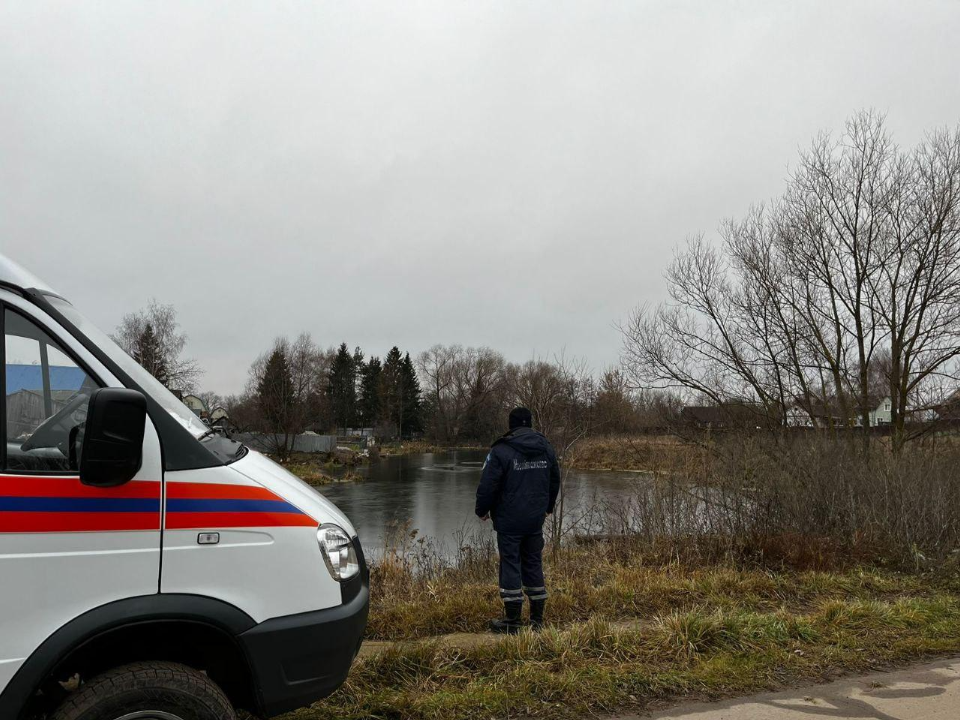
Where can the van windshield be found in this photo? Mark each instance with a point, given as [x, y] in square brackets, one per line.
[166, 399]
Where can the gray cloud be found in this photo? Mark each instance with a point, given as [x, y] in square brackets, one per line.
[508, 174]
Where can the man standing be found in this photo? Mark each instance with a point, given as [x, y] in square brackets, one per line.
[518, 489]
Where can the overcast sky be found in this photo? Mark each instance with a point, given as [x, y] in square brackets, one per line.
[511, 174]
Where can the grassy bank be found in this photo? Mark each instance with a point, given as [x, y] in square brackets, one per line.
[418, 447]
[320, 469]
[634, 453]
[637, 453]
[416, 596]
[630, 627]
[597, 667]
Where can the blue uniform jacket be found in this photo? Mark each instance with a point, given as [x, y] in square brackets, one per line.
[520, 482]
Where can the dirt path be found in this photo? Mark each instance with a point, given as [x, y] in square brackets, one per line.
[467, 640]
[460, 640]
[923, 692]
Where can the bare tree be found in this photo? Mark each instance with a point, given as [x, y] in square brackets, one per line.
[917, 291]
[152, 336]
[834, 221]
[465, 391]
[479, 386]
[212, 400]
[615, 408]
[853, 274]
[243, 411]
[560, 395]
[436, 371]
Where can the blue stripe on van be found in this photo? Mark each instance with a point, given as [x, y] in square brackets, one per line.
[228, 505]
[79, 504]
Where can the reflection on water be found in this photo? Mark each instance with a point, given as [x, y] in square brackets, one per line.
[435, 493]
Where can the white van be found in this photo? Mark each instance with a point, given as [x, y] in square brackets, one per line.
[151, 569]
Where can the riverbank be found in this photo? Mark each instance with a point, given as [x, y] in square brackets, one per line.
[320, 469]
[420, 447]
[654, 454]
[598, 667]
[628, 626]
[622, 453]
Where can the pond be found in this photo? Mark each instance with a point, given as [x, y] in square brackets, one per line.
[434, 494]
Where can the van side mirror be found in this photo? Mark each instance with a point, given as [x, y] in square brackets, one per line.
[112, 450]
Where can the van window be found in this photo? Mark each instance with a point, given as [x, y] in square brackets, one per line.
[45, 399]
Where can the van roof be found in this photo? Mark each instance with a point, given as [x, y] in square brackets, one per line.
[13, 274]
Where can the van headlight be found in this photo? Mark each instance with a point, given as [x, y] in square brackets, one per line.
[338, 552]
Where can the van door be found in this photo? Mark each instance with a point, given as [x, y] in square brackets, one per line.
[65, 548]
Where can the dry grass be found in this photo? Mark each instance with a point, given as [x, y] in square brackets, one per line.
[656, 454]
[320, 469]
[597, 667]
[825, 495]
[310, 473]
[416, 594]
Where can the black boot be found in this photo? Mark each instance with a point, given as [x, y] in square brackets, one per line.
[510, 623]
[536, 614]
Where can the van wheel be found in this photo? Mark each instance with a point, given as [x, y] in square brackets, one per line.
[147, 691]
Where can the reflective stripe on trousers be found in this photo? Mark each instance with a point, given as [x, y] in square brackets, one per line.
[536, 593]
[511, 595]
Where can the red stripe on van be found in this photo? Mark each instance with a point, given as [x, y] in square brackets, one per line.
[64, 486]
[40, 522]
[211, 491]
[214, 520]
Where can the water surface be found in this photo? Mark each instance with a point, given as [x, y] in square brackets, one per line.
[434, 494]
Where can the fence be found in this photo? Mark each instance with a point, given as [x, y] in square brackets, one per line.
[301, 443]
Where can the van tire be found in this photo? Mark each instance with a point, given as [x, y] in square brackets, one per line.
[175, 689]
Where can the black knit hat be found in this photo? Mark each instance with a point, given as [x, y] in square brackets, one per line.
[520, 417]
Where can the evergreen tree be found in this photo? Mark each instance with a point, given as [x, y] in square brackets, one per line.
[358, 375]
[400, 401]
[342, 388]
[370, 392]
[391, 389]
[148, 352]
[275, 394]
[410, 402]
